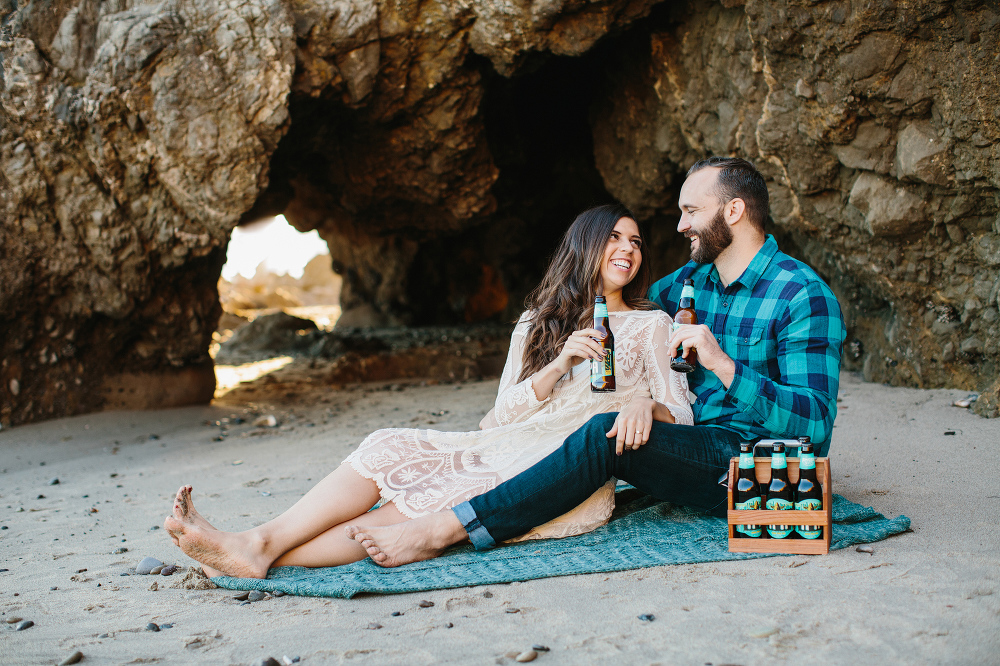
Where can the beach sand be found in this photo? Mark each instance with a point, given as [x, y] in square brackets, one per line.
[930, 596]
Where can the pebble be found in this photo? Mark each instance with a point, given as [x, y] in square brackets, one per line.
[146, 565]
[256, 595]
[270, 661]
[530, 655]
[290, 660]
[154, 587]
[14, 620]
[152, 626]
[374, 625]
[24, 624]
[448, 625]
[167, 626]
[53, 588]
[540, 648]
[242, 596]
[169, 570]
[426, 604]
[488, 594]
[513, 610]
[40, 497]
[647, 617]
[278, 593]
[268, 421]
[54, 481]
[119, 551]
[104, 636]
[74, 658]
[155, 571]
[3, 528]
[865, 549]
[762, 632]
[396, 613]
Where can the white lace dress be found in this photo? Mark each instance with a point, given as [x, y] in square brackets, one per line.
[423, 471]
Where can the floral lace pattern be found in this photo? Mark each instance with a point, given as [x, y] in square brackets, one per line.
[423, 471]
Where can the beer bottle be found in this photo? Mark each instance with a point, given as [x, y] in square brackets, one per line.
[602, 372]
[747, 492]
[779, 492]
[685, 315]
[808, 494]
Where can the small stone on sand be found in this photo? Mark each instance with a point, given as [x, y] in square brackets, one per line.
[242, 596]
[23, 624]
[762, 632]
[146, 565]
[54, 481]
[152, 626]
[374, 625]
[865, 549]
[647, 617]
[74, 658]
[530, 655]
[426, 604]
[256, 595]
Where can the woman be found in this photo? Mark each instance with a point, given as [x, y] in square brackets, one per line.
[544, 396]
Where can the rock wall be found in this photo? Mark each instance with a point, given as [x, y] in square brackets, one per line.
[878, 127]
[135, 134]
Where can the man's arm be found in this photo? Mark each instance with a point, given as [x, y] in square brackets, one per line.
[802, 401]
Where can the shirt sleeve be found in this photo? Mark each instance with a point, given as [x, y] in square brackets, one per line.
[802, 400]
[665, 385]
[516, 401]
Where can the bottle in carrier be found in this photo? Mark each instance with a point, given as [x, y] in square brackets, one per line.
[602, 373]
[779, 492]
[808, 494]
[748, 496]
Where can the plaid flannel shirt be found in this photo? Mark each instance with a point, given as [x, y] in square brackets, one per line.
[783, 327]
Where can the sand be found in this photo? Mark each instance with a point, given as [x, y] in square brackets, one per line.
[930, 596]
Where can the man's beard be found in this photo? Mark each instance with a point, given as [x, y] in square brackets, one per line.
[712, 240]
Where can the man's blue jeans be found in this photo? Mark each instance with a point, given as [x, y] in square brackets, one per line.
[679, 464]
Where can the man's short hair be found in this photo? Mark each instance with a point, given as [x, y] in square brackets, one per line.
[739, 179]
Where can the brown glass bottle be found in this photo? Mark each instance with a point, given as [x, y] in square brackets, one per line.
[602, 372]
[747, 497]
[808, 493]
[779, 492]
[685, 315]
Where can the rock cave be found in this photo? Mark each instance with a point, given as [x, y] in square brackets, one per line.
[440, 148]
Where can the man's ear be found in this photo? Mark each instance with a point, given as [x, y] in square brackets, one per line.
[734, 210]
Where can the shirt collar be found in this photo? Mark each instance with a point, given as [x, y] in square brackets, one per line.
[757, 266]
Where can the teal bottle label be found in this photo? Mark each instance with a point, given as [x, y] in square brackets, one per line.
[809, 531]
[746, 460]
[778, 461]
[601, 369]
[777, 504]
[807, 461]
[687, 291]
[600, 310]
[752, 504]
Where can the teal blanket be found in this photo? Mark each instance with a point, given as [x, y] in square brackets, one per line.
[642, 533]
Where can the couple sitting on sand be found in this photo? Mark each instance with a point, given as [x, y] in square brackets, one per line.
[544, 463]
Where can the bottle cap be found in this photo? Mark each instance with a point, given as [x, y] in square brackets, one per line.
[688, 281]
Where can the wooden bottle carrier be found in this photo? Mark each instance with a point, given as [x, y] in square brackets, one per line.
[790, 546]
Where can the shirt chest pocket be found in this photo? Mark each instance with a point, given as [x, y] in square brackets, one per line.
[749, 344]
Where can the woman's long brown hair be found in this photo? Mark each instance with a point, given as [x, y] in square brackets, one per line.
[564, 301]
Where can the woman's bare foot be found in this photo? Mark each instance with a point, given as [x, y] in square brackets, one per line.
[237, 554]
[412, 541]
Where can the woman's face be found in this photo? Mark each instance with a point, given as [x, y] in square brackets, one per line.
[622, 256]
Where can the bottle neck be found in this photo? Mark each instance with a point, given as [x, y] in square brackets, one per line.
[807, 461]
[600, 310]
[778, 461]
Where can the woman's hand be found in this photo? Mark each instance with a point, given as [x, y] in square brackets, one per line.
[635, 422]
[631, 428]
[581, 345]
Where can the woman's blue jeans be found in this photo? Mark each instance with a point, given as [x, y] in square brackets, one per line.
[679, 464]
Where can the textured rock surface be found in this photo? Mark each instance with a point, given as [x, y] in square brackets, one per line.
[439, 147]
[878, 126]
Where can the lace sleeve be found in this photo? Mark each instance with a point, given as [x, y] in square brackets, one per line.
[665, 385]
[516, 400]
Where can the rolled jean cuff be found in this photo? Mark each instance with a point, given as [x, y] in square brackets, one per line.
[478, 535]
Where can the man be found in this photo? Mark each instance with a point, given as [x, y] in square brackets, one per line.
[768, 350]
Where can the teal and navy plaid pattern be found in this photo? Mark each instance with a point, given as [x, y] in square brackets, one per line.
[783, 326]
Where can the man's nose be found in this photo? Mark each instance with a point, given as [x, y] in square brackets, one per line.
[683, 224]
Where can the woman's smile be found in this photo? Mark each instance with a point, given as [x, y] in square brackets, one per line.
[622, 256]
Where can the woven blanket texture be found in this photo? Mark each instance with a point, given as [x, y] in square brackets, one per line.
[642, 533]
